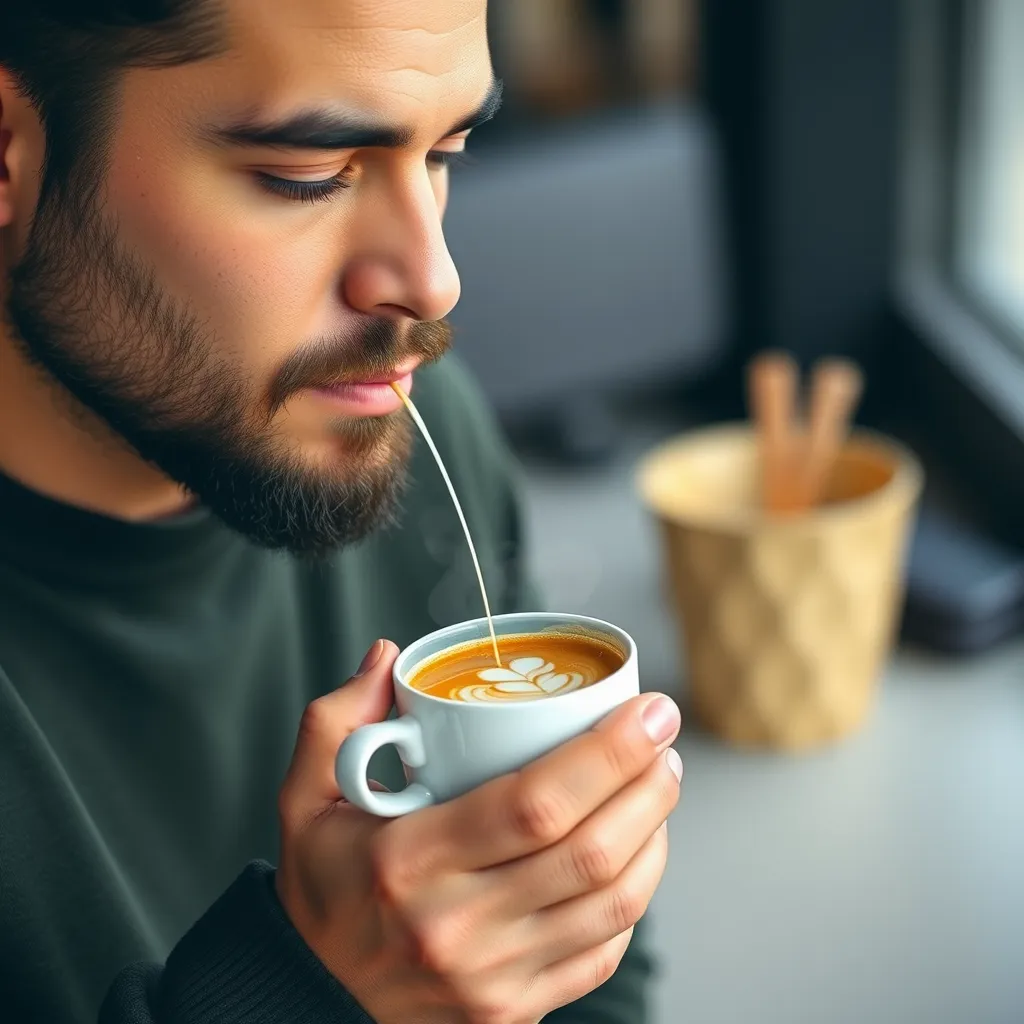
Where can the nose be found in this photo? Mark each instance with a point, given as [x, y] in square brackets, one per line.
[401, 265]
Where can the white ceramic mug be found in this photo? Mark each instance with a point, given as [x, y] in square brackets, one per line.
[450, 747]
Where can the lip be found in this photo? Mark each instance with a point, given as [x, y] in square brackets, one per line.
[396, 376]
[371, 397]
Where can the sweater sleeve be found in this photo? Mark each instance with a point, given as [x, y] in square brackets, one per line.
[241, 961]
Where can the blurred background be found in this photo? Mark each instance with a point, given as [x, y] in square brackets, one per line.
[672, 187]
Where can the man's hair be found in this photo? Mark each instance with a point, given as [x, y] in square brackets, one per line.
[67, 55]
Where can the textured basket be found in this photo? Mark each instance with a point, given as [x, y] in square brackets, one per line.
[786, 624]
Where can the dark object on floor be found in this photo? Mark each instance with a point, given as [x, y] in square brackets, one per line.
[965, 591]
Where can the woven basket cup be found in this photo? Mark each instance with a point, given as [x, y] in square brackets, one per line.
[786, 623]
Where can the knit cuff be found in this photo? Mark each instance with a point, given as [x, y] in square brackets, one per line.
[244, 961]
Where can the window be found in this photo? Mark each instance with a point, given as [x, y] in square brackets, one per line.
[989, 229]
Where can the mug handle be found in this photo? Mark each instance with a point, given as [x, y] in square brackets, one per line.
[354, 759]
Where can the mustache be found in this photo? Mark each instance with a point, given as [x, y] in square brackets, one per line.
[380, 345]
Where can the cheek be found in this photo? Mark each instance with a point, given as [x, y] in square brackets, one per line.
[261, 285]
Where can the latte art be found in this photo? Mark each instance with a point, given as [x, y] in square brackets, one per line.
[524, 679]
[534, 667]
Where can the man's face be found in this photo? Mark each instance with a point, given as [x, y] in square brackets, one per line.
[266, 236]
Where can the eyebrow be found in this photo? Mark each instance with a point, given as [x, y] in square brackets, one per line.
[331, 129]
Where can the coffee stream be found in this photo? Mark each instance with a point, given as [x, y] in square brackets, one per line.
[418, 420]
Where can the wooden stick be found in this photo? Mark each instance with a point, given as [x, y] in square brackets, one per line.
[772, 382]
[836, 387]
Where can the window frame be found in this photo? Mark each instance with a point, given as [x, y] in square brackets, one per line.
[967, 71]
[963, 365]
[949, 318]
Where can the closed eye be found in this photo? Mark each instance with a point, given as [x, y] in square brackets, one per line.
[303, 191]
[321, 191]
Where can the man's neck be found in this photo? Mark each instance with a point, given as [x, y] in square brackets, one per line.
[45, 446]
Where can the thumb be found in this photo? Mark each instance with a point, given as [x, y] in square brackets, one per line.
[367, 697]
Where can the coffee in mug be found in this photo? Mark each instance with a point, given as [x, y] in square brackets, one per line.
[534, 666]
[451, 745]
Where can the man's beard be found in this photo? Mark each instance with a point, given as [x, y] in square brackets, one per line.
[92, 316]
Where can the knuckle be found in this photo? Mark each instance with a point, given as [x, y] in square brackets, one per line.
[315, 718]
[625, 907]
[605, 964]
[537, 812]
[388, 873]
[434, 948]
[654, 856]
[625, 754]
[593, 862]
[445, 948]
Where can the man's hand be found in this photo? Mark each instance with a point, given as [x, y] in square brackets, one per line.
[494, 908]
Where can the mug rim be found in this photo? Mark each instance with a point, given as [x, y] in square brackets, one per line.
[566, 618]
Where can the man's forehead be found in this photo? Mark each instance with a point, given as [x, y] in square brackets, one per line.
[403, 60]
[416, 18]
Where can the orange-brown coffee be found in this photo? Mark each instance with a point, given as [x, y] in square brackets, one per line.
[534, 666]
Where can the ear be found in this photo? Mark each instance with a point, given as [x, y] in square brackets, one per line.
[22, 150]
[6, 205]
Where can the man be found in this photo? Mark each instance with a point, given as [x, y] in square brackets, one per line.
[221, 225]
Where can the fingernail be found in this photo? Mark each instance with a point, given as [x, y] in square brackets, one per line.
[661, 720]
[675, 763]
[371, 659]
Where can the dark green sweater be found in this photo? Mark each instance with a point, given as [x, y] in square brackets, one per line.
[152, 677]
